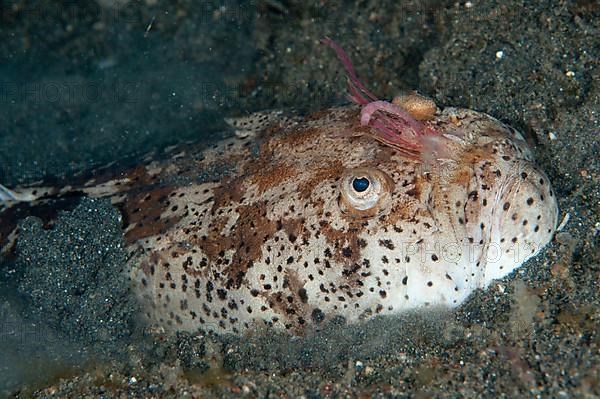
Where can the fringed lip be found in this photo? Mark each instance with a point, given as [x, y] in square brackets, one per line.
[393, 125]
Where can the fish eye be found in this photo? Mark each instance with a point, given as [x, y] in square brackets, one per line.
[362, 189]
[360, 184]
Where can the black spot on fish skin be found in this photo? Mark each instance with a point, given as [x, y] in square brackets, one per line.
[303, 295]
[387, 244]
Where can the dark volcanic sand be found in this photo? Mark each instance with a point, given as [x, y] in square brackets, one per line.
[85, 84]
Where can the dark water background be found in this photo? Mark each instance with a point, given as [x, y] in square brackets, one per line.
[86, 83]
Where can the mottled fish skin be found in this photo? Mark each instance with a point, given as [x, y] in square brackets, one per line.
[281, 240]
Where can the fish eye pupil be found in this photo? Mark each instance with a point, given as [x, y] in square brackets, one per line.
[360, 184]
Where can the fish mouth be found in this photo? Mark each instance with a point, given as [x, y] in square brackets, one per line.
[526, 216]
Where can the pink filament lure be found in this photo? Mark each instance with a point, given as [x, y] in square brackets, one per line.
[393, 125]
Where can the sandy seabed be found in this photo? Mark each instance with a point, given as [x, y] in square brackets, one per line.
[86, 83]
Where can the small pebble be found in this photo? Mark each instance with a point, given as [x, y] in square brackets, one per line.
[359, 365]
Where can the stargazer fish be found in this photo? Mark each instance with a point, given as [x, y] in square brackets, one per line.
[370, 209]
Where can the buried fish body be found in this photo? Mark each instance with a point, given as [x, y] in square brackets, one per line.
[369, 209]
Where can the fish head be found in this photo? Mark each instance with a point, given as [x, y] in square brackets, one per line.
[472, 209]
